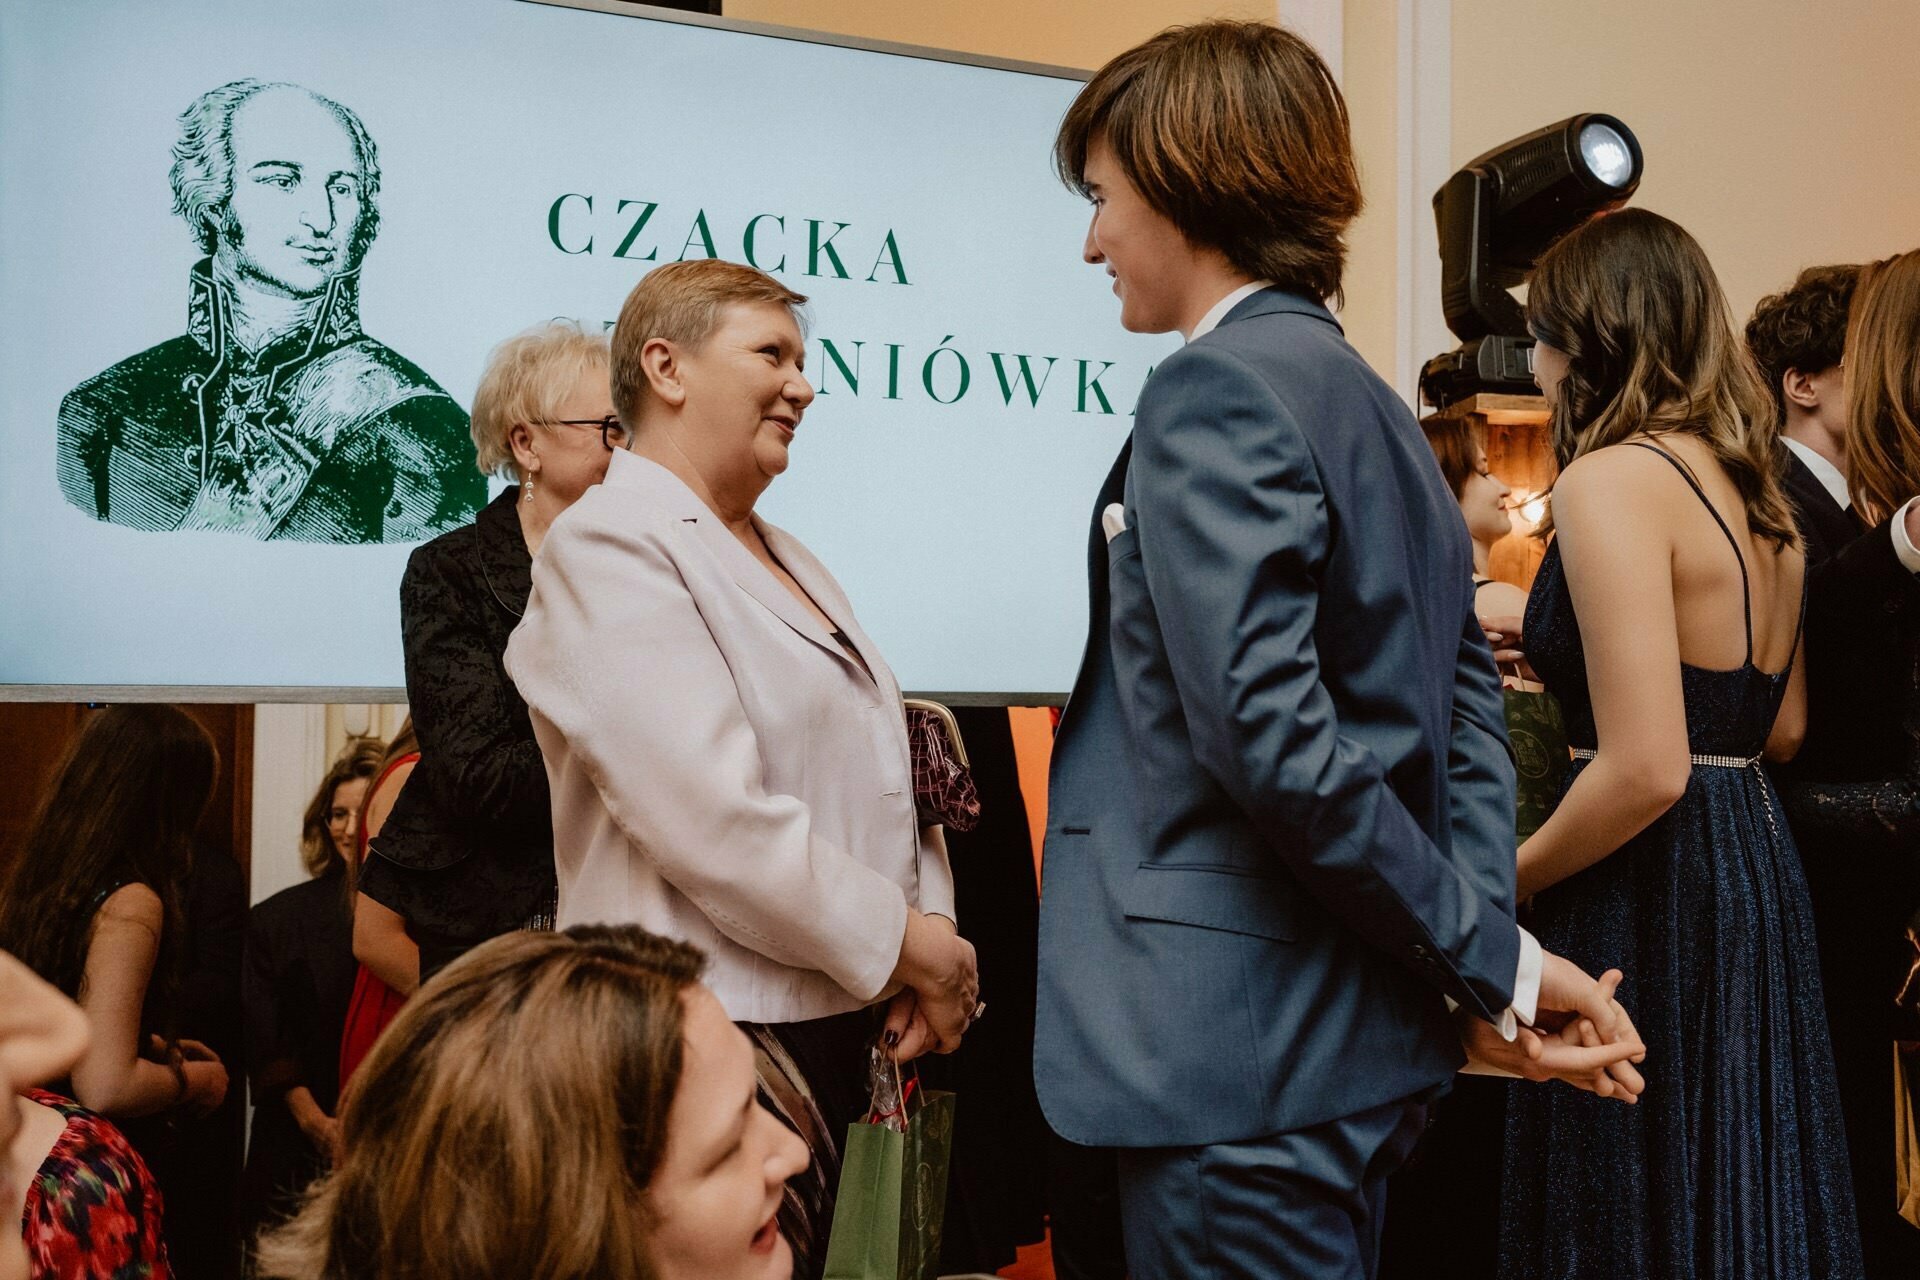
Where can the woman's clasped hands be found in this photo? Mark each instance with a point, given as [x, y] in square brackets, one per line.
[939, 992]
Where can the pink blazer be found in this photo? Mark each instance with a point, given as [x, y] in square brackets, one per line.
[722, 771]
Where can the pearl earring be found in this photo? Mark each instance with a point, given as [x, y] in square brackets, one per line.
[526, 490]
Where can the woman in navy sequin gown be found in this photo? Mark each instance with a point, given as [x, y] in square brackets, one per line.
[1666, 618]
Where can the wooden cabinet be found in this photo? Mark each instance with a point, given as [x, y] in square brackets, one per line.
[35, 735]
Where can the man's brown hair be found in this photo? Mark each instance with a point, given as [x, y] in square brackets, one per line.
[1237, 134]
[1802, 327]
[681, 302]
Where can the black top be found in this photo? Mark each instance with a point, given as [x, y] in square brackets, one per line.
[1863, 636]
[297, 985]
[468, 849]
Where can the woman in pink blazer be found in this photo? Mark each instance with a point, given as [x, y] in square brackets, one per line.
[726, 747]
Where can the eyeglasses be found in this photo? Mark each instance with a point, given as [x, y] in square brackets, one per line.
[612, 433]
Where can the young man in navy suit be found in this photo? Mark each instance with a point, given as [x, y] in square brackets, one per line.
[1280, 852]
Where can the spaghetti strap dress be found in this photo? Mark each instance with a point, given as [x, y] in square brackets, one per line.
[1733, 1165]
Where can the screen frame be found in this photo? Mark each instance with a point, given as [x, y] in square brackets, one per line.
[328, 694]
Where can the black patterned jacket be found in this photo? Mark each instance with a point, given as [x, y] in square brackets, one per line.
[468, 850]
[1857, 778]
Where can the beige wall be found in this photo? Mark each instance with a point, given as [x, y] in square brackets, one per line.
[1781, 133]
[1370, 67]
[1066, 33]
[1085, 33]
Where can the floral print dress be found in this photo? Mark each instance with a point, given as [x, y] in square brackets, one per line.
[93, 1212]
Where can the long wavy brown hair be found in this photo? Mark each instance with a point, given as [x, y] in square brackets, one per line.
[1883, 387]
[509, 1121]
[1651, 348]
[121, 809]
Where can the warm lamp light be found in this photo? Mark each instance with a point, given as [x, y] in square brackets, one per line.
[1527, 510]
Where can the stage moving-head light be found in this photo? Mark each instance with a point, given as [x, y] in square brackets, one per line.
[1500, 212]
[1496, 216]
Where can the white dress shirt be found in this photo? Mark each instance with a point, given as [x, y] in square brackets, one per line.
[1218, 311]
[1831, 478]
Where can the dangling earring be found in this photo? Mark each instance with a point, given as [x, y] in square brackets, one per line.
[526, 490]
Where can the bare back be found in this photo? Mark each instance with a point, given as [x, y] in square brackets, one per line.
[1719, 565]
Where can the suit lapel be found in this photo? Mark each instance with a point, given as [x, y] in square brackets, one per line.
[758, 581]
[819, 584]
[668, 492]
[1111, 490]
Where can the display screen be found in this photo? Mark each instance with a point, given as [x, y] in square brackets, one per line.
[254, 254]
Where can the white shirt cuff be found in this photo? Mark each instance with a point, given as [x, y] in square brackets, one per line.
[1903, 545]
[1526, 995]
[1526, 984]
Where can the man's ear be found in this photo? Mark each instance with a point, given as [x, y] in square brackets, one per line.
[660, 361]
[1800, 389]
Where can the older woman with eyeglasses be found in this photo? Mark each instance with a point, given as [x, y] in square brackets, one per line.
[467, 852]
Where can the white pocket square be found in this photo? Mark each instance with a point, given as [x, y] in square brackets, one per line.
[1113, 521]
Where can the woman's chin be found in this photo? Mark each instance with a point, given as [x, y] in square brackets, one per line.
[773, 458]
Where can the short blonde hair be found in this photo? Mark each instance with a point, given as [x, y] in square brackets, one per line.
[526, 379]
[681, 303]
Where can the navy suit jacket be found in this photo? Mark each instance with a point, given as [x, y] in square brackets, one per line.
[1281, 814]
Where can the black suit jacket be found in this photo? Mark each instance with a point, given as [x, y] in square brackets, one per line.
[468, 851]
[1863, 625]
[1825, 525]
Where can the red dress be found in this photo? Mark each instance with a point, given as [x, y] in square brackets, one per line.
[375, 1004]
[93, 1211]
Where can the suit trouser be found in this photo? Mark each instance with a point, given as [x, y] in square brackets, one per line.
[1305, 1204]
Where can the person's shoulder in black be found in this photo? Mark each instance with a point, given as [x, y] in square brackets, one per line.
[298, 983]
[1825, 525]
[1863, 610]
[478, 799]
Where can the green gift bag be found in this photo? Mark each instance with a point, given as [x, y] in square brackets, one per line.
[1538, 733]
[892, 1203]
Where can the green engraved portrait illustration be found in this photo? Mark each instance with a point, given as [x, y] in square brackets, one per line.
[274, 415]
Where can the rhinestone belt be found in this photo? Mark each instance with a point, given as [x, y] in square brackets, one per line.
[1712, 762]
[1719, 762]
